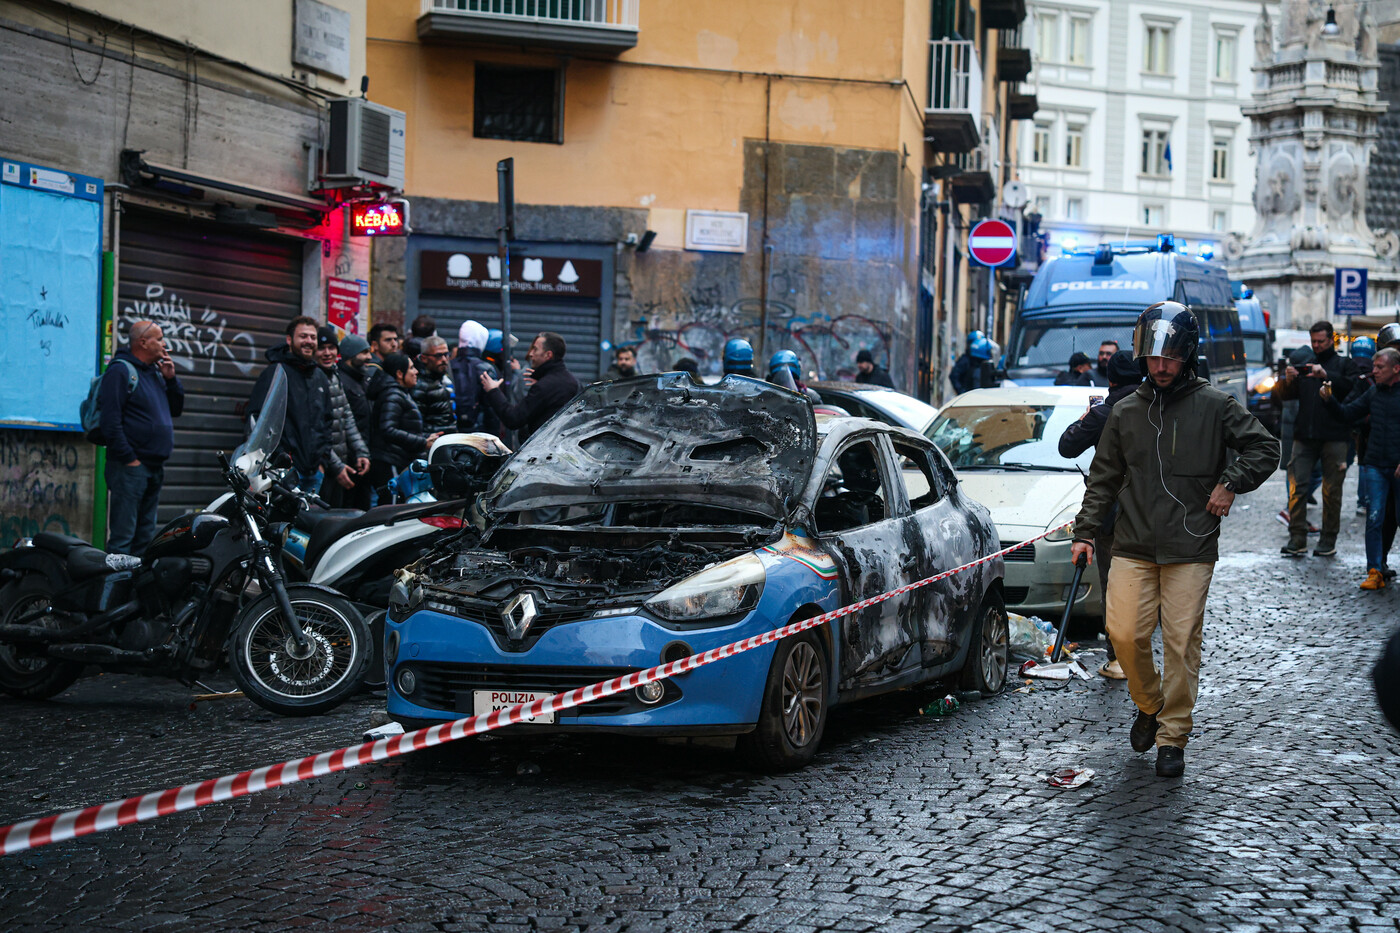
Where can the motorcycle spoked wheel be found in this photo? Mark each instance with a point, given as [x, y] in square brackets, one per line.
[263, 658]
[28, 677]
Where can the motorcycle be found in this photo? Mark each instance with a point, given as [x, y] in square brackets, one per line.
[209, 588]
[356, 552]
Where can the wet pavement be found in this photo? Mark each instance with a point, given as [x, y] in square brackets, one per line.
[1286, 818]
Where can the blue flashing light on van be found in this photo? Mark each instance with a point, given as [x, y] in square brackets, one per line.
[1092, 294]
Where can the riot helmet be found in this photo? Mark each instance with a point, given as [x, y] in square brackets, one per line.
[978, 346]
[738, 357]
[784, 359]
[1363, 348]
[1167, 329]
[1389, 337]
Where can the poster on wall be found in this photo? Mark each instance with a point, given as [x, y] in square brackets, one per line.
[345, 303]
[50, 269]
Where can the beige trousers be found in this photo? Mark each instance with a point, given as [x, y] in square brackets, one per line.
[1139, 594]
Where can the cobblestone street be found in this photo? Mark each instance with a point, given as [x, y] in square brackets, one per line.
[1286, 818]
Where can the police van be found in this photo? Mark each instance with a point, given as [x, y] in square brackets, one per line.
[1089, 295]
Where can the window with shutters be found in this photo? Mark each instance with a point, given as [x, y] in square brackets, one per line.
[524, 104]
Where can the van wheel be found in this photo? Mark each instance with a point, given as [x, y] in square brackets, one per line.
[793, 716]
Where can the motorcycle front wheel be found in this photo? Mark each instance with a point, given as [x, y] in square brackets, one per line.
[274, 674]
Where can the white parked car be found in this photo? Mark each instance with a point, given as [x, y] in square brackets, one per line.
[1004, 446]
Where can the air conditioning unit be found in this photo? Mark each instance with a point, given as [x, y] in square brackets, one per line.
[366, 144]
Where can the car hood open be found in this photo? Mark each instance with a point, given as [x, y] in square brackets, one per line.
[739, 444]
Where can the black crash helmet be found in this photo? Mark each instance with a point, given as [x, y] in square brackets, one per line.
[1167, 329]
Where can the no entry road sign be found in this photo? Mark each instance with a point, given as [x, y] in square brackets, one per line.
[992, 243]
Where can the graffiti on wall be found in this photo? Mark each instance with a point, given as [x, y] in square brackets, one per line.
[826, 346]
[191, 336]
[45, 484]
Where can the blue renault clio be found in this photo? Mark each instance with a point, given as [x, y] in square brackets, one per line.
[656, 517]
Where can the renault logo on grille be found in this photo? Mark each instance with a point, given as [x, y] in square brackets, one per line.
[519, 613]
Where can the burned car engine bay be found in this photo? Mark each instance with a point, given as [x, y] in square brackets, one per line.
[575, 571]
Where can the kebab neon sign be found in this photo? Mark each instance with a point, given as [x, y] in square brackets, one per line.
[386, 218]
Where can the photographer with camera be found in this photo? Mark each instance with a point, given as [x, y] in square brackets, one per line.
[1317, 435]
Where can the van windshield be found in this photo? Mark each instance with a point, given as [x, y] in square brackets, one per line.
[1051, 343]
[1254, 351]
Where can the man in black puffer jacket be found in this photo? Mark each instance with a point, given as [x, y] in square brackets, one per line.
[398, 437]
[306, 430]
[1124, 376]
[433, 395]
[1317, 435]
[554, 387]
[1380, 468]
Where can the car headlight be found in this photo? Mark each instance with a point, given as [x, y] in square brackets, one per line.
[722, 590]
[1064, 534]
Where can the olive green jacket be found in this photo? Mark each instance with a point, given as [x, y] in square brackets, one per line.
[1180, 438]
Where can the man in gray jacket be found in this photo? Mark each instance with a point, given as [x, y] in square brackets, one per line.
[1162, 458]
[347, 476]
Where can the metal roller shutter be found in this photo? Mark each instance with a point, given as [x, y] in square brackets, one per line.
[580, 323]
[222, 298]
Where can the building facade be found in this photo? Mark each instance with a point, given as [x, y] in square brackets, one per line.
[194, 127]
[685, 173]
[1140, 129]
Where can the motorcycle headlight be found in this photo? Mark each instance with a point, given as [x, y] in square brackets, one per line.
[1064, 534]
[722, 590]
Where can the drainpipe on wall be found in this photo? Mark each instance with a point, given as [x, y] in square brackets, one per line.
[765, 247]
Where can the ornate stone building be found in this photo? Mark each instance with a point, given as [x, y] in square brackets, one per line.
[1315, 126]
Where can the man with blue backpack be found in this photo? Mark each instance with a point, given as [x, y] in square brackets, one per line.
[138, 397]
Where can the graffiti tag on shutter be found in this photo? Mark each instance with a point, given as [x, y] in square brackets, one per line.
[189, 341]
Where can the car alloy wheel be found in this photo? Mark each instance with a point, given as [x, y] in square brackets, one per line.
[803, 694]
[995, 648]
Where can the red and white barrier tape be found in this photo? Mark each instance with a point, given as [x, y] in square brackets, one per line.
[31, 834]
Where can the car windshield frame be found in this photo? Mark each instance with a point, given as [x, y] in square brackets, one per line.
[1038, 450]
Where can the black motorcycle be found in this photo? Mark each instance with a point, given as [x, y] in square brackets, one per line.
[208, 588]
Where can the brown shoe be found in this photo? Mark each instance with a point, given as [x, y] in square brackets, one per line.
[1375, 580]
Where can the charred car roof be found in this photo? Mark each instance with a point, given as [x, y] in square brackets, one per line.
[739, 444]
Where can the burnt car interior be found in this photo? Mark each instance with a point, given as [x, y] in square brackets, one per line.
[920, 482]
[852, 494]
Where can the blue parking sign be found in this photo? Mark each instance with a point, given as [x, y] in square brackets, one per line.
[1349, 291]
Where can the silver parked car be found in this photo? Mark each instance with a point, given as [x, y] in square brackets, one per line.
[1004, 446]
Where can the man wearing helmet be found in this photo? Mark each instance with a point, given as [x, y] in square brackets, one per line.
[785, 370]
[1162, 459]
[738, 357]
[964, 376]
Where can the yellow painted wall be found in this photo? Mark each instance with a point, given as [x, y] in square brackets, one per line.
[253, 32]
[663, 125]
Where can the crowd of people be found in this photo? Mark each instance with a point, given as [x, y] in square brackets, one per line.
[361, 410]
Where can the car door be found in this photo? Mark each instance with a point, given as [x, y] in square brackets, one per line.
[862, 520]
[943, 542]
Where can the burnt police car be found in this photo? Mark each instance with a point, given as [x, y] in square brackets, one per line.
[656, 517]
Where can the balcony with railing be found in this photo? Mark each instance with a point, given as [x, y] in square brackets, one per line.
[1013, 57]
[1003, 14]
[952, 120]
[975, 181]
[571, 25]
[1021, 102]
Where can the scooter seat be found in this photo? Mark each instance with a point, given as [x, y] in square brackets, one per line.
[86, 562]
[329, 530]
[58, 544]
[308, 519]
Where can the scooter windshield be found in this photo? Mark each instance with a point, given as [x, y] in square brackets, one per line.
[267, 430]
